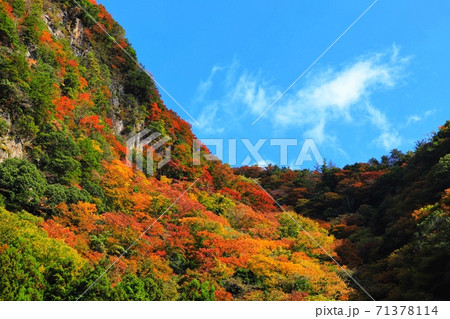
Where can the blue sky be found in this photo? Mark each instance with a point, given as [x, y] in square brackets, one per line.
[383, 85]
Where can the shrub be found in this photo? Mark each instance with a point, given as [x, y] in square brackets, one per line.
[22, 184]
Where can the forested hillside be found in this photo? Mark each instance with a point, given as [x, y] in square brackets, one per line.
[71, 93]
[390, 217]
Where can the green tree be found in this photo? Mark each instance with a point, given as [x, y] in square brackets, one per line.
[34, 266]
[59, 157]
[22, 184]
[90, 157]
[20, 273]
[196, 291]
[288, 227]
[137, 288]
[56, 194]
[8, 31]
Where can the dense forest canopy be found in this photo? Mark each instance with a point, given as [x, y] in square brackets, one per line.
[70, 206]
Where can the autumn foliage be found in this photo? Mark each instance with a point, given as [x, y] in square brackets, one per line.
[72, 207]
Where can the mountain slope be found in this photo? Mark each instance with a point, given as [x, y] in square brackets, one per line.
[391, 217]
[76, 220]
[69, 98]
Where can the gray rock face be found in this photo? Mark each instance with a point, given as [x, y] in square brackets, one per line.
[11, 148]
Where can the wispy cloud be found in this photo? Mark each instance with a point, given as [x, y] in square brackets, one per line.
[334, 95]
[209, 120]
[415, 118]
[205, 86]
[389, 137]
[251, 91]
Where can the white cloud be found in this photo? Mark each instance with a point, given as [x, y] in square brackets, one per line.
[265, 163]
[377, 118]
[389, 138]
[332, 96]
[209, 121]
[413, 119]
[204, 86]
[250, 93]
[232, 96]
[417, 118]
[348, 86]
